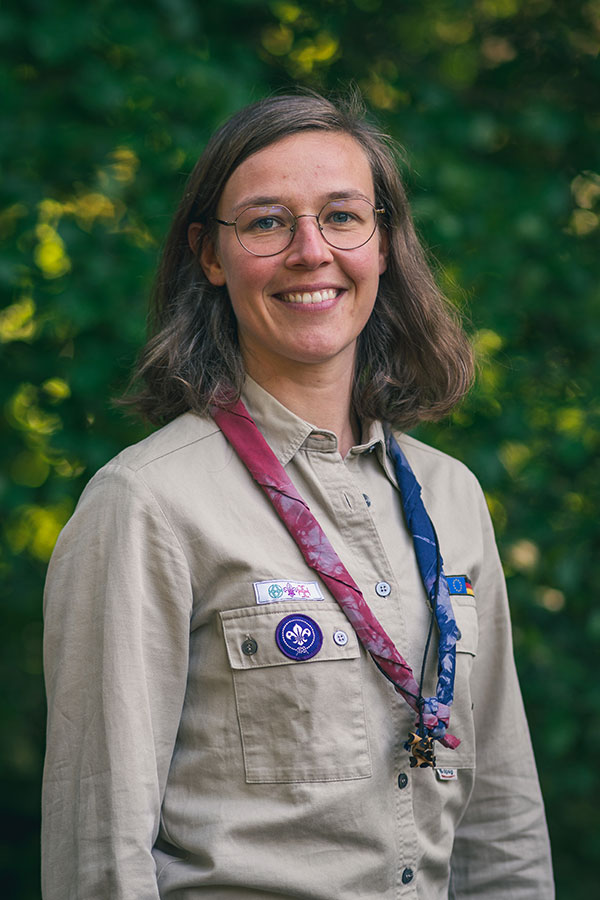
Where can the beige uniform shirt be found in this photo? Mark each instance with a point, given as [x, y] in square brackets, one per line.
[181, 767]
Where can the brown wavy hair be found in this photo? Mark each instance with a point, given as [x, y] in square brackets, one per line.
[414, 361]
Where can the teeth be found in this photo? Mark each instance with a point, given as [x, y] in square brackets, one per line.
[308, 297]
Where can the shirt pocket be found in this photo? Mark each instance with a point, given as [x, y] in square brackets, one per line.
[300, 720]
[461, 716]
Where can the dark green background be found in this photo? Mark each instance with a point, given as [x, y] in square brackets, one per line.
[105, 107]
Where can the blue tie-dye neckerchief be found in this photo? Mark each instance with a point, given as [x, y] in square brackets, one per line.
[431, 567]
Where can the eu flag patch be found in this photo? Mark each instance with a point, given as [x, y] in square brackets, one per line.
[459, 584]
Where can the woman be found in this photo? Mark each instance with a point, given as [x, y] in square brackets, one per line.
[271, 670]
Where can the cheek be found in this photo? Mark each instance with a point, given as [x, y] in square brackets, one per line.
[247, 284]
[246, 274]
[368, 268]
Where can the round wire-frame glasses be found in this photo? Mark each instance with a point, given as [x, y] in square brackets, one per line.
[345, 224]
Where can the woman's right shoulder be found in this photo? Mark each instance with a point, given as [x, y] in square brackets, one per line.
[182, 433]
[151, 467]
[167, 447]
[145, 485]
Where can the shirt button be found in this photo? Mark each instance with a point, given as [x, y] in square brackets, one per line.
[402, 780]
[382, 589]
[340, 638]
[249, 646]
[407, 876]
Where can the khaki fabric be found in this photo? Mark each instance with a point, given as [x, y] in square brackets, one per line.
[179, 767]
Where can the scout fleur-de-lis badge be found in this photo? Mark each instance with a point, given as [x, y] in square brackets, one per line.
[298, 637]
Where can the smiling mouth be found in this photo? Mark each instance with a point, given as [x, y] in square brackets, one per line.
[310, 296]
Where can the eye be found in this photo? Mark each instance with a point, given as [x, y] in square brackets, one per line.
[267, 223]
[341, 217]
[346, 214]
[261, 220]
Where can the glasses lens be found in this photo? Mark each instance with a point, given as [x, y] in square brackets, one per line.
[265, 230]
[347, 224]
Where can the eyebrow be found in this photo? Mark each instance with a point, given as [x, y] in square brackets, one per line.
[275, 201]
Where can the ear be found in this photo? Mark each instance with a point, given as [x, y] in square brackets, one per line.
[208, 256]
[193, 236]
[384, 246]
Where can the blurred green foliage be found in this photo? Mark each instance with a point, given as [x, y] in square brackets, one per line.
[106, 106]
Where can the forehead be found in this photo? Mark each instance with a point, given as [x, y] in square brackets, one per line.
[304, 168]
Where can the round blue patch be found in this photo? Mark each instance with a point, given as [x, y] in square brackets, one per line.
[299, 637]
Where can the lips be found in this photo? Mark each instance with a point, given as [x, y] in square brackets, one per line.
[309, 296]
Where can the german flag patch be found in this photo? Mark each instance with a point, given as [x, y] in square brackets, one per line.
[459, 584]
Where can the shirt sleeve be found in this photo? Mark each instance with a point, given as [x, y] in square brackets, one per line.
[501, 849]
[117, 612]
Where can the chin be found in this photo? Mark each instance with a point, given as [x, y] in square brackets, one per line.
[316, 355]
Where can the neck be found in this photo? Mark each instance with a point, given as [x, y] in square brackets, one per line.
[320, 394]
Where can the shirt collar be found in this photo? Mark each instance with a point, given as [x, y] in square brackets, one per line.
[286, 433]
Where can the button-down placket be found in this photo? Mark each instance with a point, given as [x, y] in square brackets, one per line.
[361, 525]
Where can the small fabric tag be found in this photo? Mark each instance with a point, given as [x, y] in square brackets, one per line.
[446, 774]
[277, 591]
[459, 584]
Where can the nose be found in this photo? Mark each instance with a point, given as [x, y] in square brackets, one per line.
[308, 247]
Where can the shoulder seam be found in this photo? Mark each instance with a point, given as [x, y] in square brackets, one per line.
[426, 448]
[153, 459]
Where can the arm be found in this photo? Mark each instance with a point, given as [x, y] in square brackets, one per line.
[117, 609]
[501, 848]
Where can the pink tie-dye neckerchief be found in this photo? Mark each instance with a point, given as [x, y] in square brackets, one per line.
[242, 433]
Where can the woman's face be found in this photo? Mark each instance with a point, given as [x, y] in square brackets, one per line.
[276, 332]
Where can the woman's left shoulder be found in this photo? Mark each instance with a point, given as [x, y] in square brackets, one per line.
[431, 462]
[449, 487]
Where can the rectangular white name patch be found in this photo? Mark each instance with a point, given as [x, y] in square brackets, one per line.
[445, 774]
[278, 591]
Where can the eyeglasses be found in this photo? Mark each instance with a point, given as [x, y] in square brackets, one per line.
[268, 230]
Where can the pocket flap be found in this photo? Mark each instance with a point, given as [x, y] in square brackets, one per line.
[260, 625]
